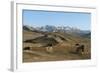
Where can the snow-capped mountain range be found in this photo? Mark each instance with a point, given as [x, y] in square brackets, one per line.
[64, 29]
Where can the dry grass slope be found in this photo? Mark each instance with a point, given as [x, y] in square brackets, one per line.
[63, 48]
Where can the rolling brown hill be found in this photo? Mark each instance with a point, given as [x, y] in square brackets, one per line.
[63, 46]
